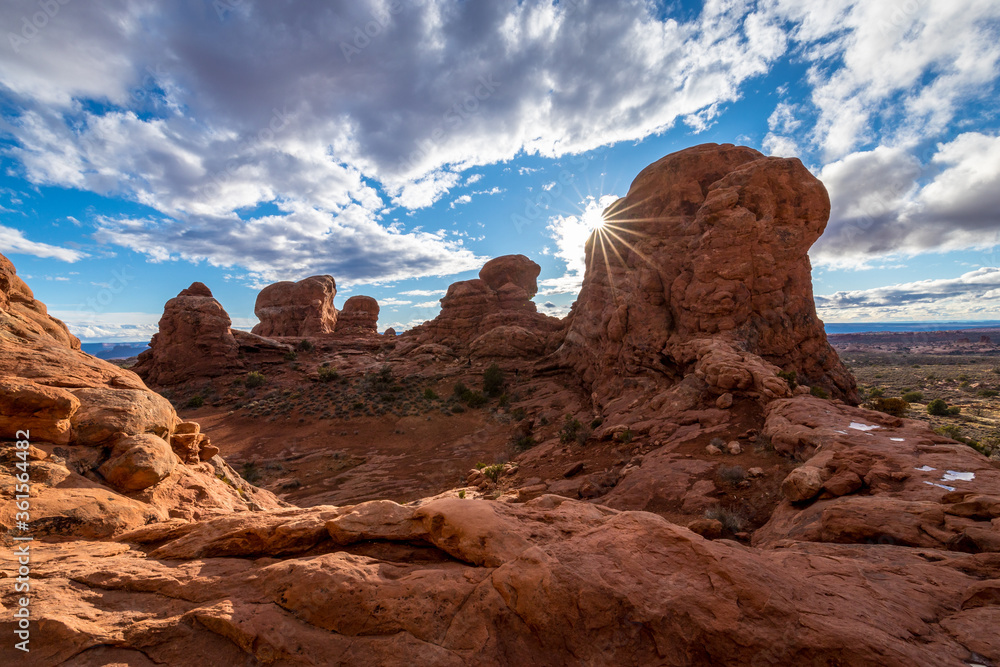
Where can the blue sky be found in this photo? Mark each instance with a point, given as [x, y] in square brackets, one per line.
[399, 145]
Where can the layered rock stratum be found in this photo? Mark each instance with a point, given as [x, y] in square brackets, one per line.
[867, 539]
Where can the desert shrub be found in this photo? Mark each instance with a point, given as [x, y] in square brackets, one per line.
[523, 443]
[938, 407]
[195, 401]
[474, 399]
[818, 392]
[987, 393]
[458, 408]
[430, 394]
[896, 407]
[876, 392]
[731, 474]
[255, 379]
[570, 430]
[480, 465]
[306, 345]
[504, 400]
[913, 396]
[493, 472]
[953, 431]
[596, 421]
[493, 381]
[954, 410]
[624, 437]
[250, 472]
[791, 377]
[460, 389]
[291, 355]
[461, 493]
[730, 520]
[327, 374]
[519, 414]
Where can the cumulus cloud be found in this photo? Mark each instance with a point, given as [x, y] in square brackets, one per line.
[972, 296]
[13, 241]
[886, 202]
[905, 67]
[424, 292]
[204, 115]
[90, 326]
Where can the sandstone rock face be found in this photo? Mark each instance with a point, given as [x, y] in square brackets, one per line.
[194, 340]
[304, 308]
[100, 460]
[359, 316]
[491, 316]
[452, 582]
[703, 267]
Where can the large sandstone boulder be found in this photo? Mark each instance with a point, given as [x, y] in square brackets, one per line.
[138, 462]
[359, 316]
[516, 270]
[304, 308]
[703, 267]
[194, 340]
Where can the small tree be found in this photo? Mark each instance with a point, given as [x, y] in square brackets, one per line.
[493, 381]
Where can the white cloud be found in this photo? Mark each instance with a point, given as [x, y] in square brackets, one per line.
[126, 326]
[464, 199]
[427, 304]
[473, 178]
[13, 241]
[392, 301]
[885, 203]
[424, 292]
[906, 67]
[972, 296]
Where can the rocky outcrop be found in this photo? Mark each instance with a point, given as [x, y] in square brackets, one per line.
[703, 268]
[452, 581]
[102, 461]
[492, 316]
[359, 316]
[303, 308]
[194, 340]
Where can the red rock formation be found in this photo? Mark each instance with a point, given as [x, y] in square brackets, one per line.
[194, 340]
[490, 317]
[703, 268]
[358, 317]
[102, 462]
[304, 308]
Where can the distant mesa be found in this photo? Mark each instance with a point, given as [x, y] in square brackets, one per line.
[303, 308]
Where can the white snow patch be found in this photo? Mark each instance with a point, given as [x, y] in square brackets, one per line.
[956, 476]
[841, 432]
[898, 439]
[862, 427]
[941, 486]
[925, 468]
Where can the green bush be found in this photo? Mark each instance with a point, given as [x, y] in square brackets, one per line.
[954, 410]
[291, 355]
[306, 345]
[987, 393]
[570, 430]
[474, 399]
[195, 401]
[791, 377]
[896, 407]
[255, 379]
[523, 443]
[430, 394]
[937, 407]
[327, 374]
[952, 431]
[493, 472]
[818, 392]
[876, 392]
[493, 381]
[913, 396]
